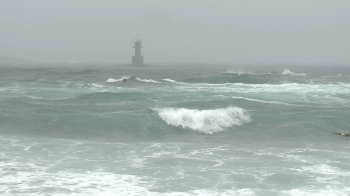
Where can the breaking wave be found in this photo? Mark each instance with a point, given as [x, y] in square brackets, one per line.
[133, 78]
[228, 77]
[147, 80]
[247, 73]
[47, 98]
[263, 101]
[93, 86]
[169, 80]
[288, 72]
[117, 80]
[174, 81]
[204, 121]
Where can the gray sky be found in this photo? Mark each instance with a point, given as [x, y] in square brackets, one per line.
[177, 31]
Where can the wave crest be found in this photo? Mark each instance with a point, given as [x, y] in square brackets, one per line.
[288, 72]
[205, 121]
[147, 80]
[117, 80]
[169, 80]
[133, 78]
[47, 98]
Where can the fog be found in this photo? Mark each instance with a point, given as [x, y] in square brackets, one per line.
[181, 31]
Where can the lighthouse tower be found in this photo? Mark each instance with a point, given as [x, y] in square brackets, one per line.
[137, 59]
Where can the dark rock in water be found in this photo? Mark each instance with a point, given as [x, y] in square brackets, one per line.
[343, 134]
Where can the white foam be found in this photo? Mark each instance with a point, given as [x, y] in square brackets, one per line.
[33, 179]
[91, 183]
[174, 81]
[346, 85]
[95, 86]
[235, 72]
[147, 80]
[246, 73]
[133, 77]
[241, 73]
[46, 98]
[263, 101]
[329, 191]
[324, 169]
[169, 80]
[207, 192]
[117, 80]
[112, 80]
[288, 72]
[92, 86]
[205, 121]
[304, 89]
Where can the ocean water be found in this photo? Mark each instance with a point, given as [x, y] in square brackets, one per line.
[178, 130]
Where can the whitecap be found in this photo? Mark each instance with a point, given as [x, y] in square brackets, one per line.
[90, 183]
[95, 86]
[324, 169]
[46, 98]
[263, 101]
[247, 73]
[169, 80]
[147, 80]
[117, 80]
[329, 191]
[205, 121]
[288, 72]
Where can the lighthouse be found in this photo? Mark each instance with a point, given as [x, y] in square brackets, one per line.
[137, 59]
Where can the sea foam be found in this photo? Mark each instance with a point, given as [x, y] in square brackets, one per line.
[116, 80]
[288, 72]
[47, 98]
[263, 101]
[147, 80]
[205, 121]
[133, 78]
[169, 80]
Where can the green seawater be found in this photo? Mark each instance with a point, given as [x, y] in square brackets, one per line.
[174, 130]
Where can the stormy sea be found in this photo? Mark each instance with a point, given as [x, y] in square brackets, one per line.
[174, 130]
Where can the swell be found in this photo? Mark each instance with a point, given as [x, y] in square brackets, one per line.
[81, 124]
[272, 77]
[162, 123]
[122, 124]
[286, 76]
[263, 101]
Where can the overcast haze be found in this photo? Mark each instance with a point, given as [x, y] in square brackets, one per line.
[181, 31]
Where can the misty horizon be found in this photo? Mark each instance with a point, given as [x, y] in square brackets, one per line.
[196, 32]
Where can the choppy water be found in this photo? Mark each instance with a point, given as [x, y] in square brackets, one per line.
[181, 130]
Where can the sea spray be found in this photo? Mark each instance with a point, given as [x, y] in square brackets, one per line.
[204, 121]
